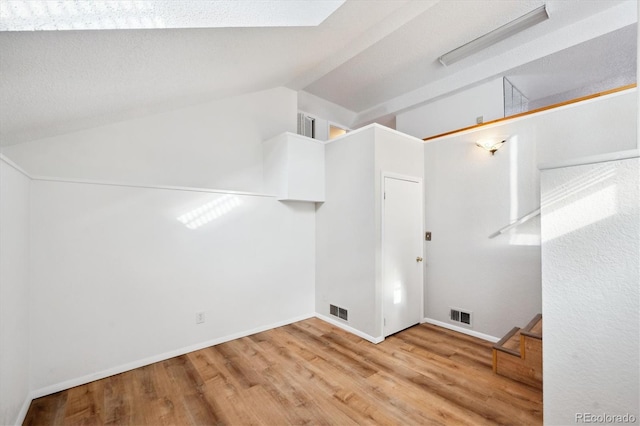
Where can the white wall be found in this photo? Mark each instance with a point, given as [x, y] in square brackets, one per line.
[454, 112]
[212, 145]
[470, 194]
[590, 284]
[345, 237]
[294, 168]
[593, 127]
[117, 279]
[403, 155]
[348, 223]
[14, 293]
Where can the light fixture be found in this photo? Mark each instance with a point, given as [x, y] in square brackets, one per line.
[507, 30]
[491, 145]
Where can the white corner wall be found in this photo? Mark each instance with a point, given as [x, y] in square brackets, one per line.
[212, 145]
[345, 237]
[14, 293]
[118, 277]
[470, 194]
[454, 112]
[590, 285]
[402, 155]
[348, 223]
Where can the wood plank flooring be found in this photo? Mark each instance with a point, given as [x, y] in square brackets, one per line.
[309, 372]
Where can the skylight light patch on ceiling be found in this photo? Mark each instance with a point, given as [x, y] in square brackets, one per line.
[48, 15]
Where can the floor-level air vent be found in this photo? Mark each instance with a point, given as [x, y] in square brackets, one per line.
[338, 312]
[460, 316]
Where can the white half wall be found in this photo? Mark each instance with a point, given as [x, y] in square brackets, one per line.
[119, 273]
[594, 127]
[14, 293]
[591, 291]
[454, 112]
[212, 145]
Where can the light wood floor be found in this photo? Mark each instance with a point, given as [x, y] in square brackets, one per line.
[307, 373]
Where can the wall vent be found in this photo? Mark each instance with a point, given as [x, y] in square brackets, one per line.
[338, 312]
[460, 316]
[306, 126]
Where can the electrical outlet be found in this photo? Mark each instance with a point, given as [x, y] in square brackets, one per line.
[480, 119]
[199, 317]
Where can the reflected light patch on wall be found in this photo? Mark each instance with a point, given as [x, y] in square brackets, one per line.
[582, 212]
[397, 293]
[524, 240]
[513, 178]
[590, 205]
[578, 184]
[212, 210]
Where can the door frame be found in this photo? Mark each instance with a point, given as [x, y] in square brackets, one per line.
[419, 181]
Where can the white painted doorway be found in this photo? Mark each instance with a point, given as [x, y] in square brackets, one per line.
[402, 249]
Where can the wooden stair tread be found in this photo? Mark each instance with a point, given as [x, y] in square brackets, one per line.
[518, 355]
[534, 328]
[510, 343]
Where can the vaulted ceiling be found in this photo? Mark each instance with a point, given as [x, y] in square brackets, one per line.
[374, 58]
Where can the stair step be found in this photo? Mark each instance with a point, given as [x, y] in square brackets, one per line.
[510, 343]
[518, 355]
[534, 328]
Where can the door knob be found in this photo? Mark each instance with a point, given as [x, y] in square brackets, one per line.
[418, 259]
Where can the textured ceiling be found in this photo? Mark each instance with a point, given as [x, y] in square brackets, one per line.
[608, 58]
[407, 59]
[372, 57]
[39, 15]
[58, 81]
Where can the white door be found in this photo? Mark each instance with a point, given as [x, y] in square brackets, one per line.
[402, 254]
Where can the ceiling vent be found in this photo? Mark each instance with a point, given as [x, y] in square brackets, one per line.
[460, 316]
[338, 312]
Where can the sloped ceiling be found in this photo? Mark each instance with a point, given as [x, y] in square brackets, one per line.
[372, 57]
[603, 62]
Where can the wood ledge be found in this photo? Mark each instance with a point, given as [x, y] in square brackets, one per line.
[533, 111]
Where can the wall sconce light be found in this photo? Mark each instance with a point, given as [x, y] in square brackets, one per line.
[490, 145]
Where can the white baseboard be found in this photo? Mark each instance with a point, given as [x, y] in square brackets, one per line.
[24, 409]
[461, 330]
[48, 390]
[350, 329]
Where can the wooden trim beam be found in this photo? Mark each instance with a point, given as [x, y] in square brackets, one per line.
[534, 111]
